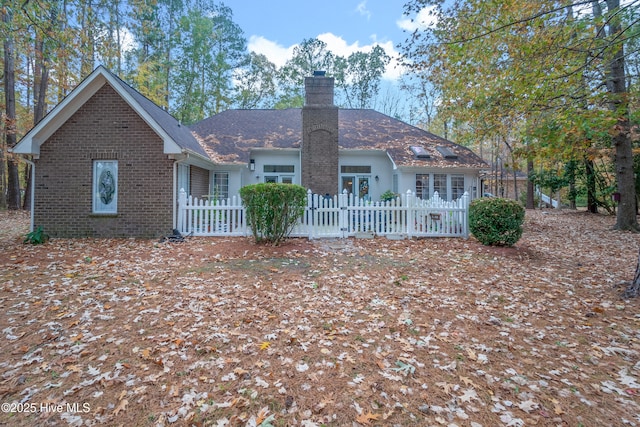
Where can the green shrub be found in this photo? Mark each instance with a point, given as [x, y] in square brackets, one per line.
[388, 195]
[273, 209]
[36, 236]
[495, 221]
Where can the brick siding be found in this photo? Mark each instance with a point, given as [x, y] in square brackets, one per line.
[105, 128]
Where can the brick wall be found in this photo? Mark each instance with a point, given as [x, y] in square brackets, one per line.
[104, 128]
[199, 181]
[319, 150]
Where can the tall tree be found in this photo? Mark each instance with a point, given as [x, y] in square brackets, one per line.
[613, 55]
[311, 55]
[211, 49]
[256, 85]
[146, 61]
[359, 76]
[229, 55]
[13, 200]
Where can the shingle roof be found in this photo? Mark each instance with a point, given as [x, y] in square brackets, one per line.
[228, 137]
[179, 133]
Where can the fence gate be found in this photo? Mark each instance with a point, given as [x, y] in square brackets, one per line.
[325, 216]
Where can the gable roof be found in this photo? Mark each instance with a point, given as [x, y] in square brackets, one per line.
[177, 138]
[228, 137]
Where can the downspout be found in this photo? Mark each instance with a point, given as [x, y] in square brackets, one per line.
[32, 196]
[176, 189]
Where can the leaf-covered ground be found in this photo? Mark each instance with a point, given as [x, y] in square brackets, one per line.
[330, 332]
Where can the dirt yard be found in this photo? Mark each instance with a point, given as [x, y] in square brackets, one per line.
[220, 331]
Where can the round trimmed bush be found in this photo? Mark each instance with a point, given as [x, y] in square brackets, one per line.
[495, 221]
[273, 209]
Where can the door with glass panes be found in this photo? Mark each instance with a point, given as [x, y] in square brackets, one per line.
[358, 185]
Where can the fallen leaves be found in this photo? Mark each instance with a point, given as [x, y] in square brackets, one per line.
[122, 405]
[223, 332]
[366, 419]
[265, 345]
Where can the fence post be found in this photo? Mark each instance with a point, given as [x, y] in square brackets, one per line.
[465, 204]
[309, 215]
[409, 202]
[182, 202]
[343, 212]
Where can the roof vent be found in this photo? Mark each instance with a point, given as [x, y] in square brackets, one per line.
[446, 153]
[420, 152]
[319, 73]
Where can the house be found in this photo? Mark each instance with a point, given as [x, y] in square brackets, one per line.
[108, 162]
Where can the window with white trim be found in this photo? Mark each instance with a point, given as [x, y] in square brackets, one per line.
[105, 186]
[457, 186]
[221, 185]
[278, 173]
[440, 185]
[422, 185]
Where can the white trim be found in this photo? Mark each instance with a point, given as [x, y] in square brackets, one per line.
[110, 180]
[174, 196]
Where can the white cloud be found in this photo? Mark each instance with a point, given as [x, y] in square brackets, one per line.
[362, 9]
[423, 20]
[275, 52]
[340, 47]
[279, 54]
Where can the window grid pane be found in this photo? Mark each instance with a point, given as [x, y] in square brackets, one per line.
[440, 185]
[278, 168]
[457, 186]
[221, 185]
[422, 186]
[355, 169]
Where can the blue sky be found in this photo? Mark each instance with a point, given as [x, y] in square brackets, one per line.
[275, 27]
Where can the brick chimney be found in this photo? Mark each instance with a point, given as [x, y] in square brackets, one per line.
[319, 151]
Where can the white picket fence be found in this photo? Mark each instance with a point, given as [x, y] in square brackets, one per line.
[343, 215]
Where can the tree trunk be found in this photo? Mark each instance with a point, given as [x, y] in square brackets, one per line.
[590, 172]
[3, 175]
[531, 201]
[26, 203]
[633, 289]
[40, 85]
[13, 177]
[626, 218]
